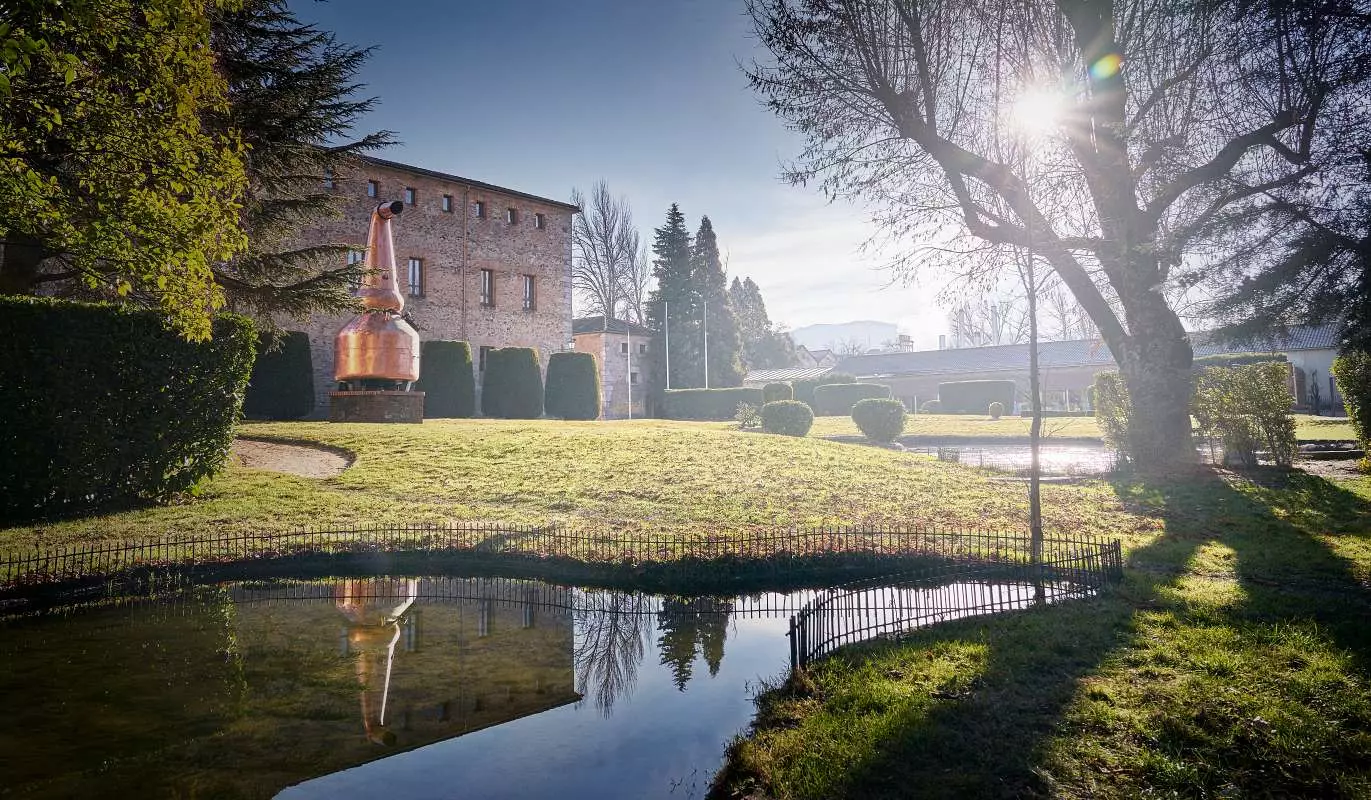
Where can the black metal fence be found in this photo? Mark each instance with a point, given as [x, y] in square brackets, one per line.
[524, 543]
[871, 608]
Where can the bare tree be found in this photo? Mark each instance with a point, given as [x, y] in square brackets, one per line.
[1068, 320]
[611, 631]
[604, 249]
[989, 321]
[1168, 117]
[637, 284]
[848, 347]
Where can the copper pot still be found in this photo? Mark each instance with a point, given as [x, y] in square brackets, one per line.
[378, 349]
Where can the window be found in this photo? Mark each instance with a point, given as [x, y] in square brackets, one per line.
[633, 377]
[447, 203]
[356, 257]
[329, 182]
[642, 349]
[623, 348]
[409, 196]
[488, 288]
[530, 298]
[481, 360]
[512, 216]
[416, 277]
[373, 188]
[479, 209]
[539, 221]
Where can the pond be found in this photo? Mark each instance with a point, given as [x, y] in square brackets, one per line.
[419, 687]
[1054, 459]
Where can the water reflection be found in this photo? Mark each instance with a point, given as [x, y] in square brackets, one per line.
[692, 627]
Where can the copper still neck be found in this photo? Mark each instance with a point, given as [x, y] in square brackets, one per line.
[379, 290]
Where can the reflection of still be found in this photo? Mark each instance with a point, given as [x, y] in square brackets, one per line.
[376, 610]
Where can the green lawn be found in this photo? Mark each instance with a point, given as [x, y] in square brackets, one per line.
[968, 426]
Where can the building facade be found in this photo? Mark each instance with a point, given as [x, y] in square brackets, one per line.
[476, 262]
[622, 350]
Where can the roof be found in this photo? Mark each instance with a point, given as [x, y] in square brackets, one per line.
[1057, 355]
[597, 325]
[820, 355]
[782, 375]
[433, 173]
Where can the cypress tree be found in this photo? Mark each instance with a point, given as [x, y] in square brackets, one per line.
[764, 346]
[710, 282]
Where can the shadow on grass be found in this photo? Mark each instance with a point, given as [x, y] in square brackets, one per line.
[1231, 661]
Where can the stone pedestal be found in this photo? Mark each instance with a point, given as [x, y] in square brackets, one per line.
[376, 406]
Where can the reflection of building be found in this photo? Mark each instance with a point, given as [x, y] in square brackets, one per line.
[622, 350]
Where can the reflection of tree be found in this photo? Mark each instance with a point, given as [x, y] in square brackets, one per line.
[690, 626]
[611, 629]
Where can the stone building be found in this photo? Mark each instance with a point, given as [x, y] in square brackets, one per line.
[477, 262]
[622, 350]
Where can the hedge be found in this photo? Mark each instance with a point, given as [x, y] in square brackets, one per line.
[282, 382]
[446, 379]
[1247, 408]
[787, 417]
[1112, 410]
[573, 386]
[709, 404]
[513, 385]
[1352, 370]
[1236, 360]
[878, 419]
[974, 397]
[931, 407]
[837, 399]
[803, 390]
[103, 404]
[773, 392]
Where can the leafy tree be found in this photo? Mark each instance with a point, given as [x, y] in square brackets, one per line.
[114, 162]
[291, 91]
[764, 345]
[1175, 120]
[671, 268]
[711, 283]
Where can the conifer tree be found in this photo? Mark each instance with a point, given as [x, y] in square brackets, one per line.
[710, 282]
[764, 346]
[671, 267]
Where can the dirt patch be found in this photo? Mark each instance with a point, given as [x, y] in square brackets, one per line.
[1344, 468]
[308, 461]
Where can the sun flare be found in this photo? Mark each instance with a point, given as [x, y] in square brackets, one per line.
[1037, 112]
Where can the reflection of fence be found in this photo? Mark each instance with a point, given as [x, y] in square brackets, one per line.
[867, 609]
[525, 543]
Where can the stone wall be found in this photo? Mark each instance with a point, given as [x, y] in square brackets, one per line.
[454, 246]
[617, 369]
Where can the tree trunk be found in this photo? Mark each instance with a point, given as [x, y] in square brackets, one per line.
[20, 259]
[1156, 366]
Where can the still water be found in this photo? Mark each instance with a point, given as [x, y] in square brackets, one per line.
[387, 687]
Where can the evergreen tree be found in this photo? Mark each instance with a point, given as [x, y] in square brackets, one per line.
[671, 267]
[710, 282]
[764, 346]
[678, 643]
[291, 90]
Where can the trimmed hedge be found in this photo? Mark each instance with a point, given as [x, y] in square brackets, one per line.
[837, 399]
[513, 386]
[878, 419]
[446, 379]
[282, 382]
[803, 390]
[772, 392]
[1352, 371]
[573, 386]
[996, 410]
[931, 407]
[709, 404]
[1236, 360]
[787, 418]
[103, 404]
[974, 397]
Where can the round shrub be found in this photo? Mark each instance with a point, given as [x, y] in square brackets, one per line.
[787, 417]
[777, 391]
[931, 407]
[573, 386]
[879, 419]
[513, 386]
[282, 382]
[446, 379]
[837, 399]
[996, 410]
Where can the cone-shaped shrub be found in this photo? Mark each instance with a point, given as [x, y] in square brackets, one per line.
[513, 386]
[837, 399]
[777, 391]
[446, 379]
[282, 382]
[879, 419]
[573, 386]
[787, 417]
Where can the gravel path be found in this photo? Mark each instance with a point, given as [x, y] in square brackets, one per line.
[294, 459]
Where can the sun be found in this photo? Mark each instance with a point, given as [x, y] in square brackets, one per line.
[1037, 112]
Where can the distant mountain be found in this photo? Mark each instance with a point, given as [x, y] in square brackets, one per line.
[869, 332]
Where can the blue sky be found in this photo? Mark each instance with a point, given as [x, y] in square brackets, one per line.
[543, 96]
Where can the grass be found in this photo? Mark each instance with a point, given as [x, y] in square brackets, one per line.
[683, 478]
[1233, 662]
[955, 426]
